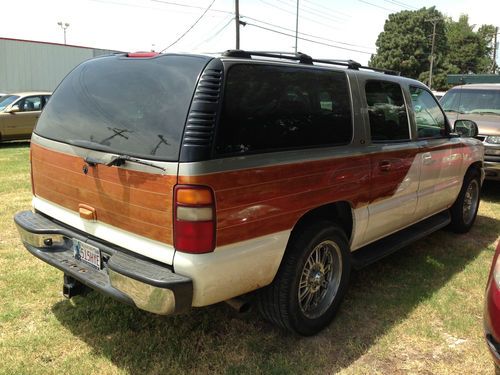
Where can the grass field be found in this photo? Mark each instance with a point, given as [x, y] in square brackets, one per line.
[418, 311]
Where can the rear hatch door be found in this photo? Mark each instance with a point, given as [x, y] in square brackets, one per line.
[128, 110]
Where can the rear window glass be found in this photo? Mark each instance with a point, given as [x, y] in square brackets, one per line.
[386, 111]
[127, 105]
[268, 108]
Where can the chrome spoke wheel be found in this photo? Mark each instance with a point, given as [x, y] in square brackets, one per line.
[320, 279]
[471, 201]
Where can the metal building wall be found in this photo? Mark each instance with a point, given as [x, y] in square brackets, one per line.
[34, 66]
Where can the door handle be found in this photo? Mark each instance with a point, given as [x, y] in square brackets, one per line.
[385, 165]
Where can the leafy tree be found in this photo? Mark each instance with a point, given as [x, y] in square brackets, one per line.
[487, 39]
[464, 45]
[405, 43]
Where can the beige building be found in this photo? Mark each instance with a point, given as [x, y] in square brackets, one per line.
[31, 66]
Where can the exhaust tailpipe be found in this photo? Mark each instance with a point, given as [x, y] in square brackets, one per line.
[239, 304]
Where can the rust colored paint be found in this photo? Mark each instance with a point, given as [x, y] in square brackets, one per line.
[134, 201]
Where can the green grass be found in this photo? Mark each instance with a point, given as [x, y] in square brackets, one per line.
[417, 311]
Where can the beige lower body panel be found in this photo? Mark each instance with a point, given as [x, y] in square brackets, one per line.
[234, 269]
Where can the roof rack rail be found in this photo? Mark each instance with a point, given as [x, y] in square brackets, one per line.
[302, 58]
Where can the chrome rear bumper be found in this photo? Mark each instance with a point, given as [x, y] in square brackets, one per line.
[124, 276]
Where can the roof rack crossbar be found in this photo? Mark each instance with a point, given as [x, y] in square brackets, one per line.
[305, 59]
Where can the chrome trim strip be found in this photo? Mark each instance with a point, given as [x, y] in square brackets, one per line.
[65, 148]
[38, 240]
[146, 297]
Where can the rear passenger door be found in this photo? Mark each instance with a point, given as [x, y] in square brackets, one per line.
[395, 166]
[441, 161]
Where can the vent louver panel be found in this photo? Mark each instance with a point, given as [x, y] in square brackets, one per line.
[208, 89]
[199, 132]
[199, 128]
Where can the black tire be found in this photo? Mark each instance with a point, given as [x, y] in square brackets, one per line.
[323, 281]
[464, 210]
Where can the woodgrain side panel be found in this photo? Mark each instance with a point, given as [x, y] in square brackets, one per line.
[130, 200]
[260, 201]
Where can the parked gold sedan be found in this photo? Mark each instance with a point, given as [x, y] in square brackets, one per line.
[19, 114]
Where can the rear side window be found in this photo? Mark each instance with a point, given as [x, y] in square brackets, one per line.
[127, 105]
[386, 111]
[430, 119]
[269, 108]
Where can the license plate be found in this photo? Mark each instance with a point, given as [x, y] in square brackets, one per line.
[87, 253]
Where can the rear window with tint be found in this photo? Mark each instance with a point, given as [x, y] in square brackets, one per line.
[127, 105]
[268, 108]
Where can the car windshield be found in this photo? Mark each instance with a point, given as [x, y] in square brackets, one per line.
[472, 101]
[7, 100]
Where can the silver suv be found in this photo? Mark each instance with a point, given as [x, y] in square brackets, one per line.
[481, 104]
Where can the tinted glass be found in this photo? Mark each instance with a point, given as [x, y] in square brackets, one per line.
[472, 101]
[386, 111]
[7, 100]
[428, 116]
[269, 108]
[128, 105]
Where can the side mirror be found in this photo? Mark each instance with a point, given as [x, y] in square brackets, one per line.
[466, 128]
[14, 109]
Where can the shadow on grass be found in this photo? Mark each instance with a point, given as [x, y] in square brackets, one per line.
[490, 191]
[14, 144]
[215, 340]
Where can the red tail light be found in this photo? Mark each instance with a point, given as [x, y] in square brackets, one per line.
[194, 219]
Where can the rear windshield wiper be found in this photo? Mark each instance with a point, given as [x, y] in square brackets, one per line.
[115, 160]
[120, 160]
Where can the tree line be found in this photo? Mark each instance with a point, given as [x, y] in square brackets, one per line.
[406, 42]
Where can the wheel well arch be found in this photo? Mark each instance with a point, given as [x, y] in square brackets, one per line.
[340, 212]
[477, 165]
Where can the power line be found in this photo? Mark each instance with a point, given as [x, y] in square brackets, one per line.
[193, 25]
[187, 6]
[316, 13]
[293, 13]
[226, 22]
[327, 9]
[306, 39]
[401, 4]
[377, 6]
[311, 35]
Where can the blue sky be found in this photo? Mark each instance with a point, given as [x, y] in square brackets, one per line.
[347, 29]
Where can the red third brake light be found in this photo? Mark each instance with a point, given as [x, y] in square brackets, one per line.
[194, 219]
[142, 54]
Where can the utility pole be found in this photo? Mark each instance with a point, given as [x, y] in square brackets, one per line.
[434, 22]
[237, 20]
[64, 26]
[494, 68]
[297, 27]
